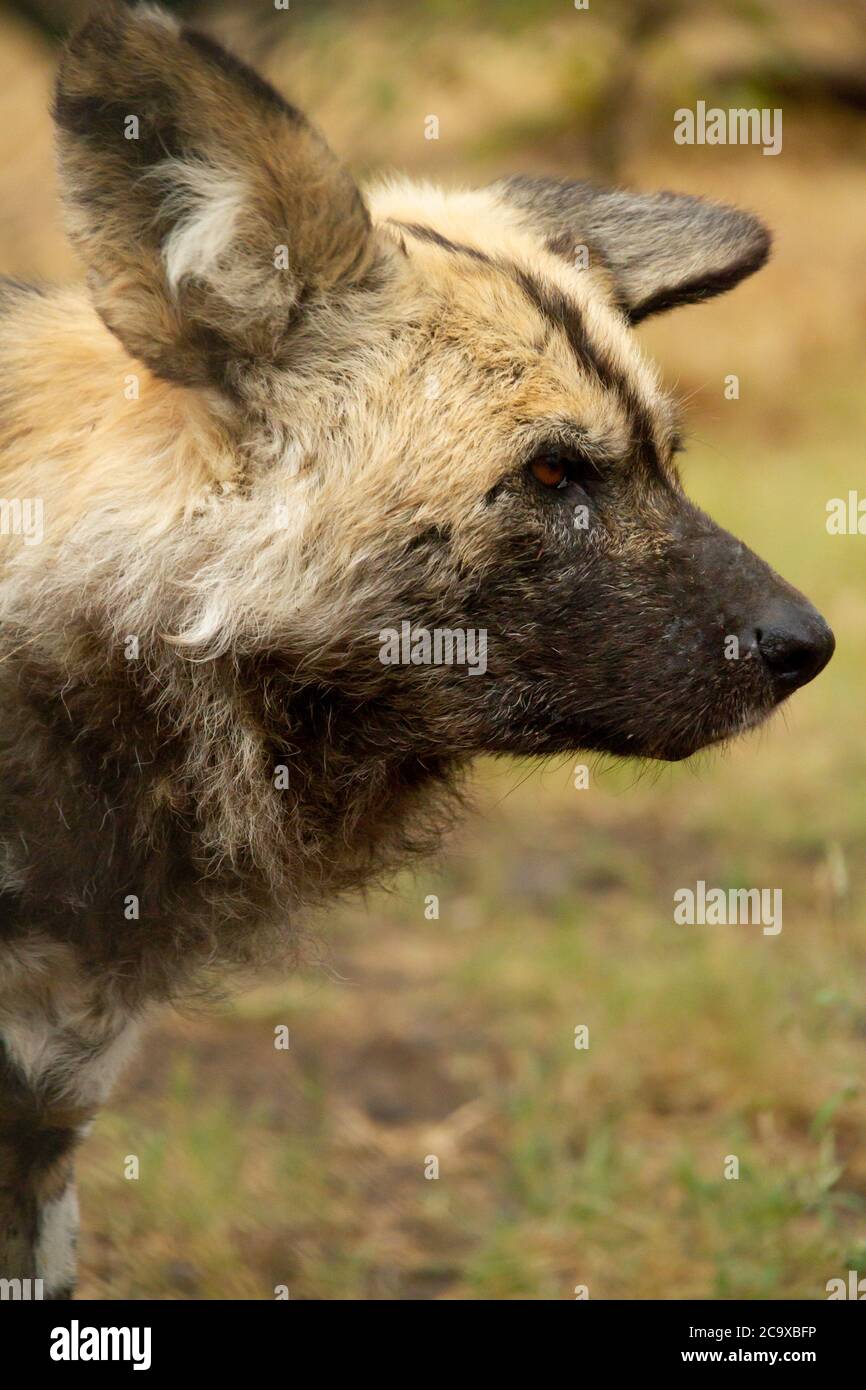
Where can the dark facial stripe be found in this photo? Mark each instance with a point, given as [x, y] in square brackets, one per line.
[457, 248]
[562, 313]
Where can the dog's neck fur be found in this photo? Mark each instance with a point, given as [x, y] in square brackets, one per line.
[159, 776]
[223, 796]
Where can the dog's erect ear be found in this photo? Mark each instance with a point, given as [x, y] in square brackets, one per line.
[662, 249]
[207, 209]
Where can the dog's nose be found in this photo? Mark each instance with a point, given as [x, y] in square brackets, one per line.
[795, 644]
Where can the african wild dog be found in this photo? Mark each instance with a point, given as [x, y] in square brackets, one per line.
[282, 418]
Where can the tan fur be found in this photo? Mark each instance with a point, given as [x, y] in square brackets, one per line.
[72, 436]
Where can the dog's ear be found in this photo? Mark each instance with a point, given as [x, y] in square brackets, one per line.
[661, 249]
[208, 210]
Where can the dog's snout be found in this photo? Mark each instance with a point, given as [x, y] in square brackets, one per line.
[794, 643]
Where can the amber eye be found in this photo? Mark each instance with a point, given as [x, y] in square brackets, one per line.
[549, 469]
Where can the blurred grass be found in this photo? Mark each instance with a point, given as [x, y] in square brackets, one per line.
[455, 1037]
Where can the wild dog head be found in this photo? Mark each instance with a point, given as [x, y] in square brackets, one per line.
[437, 413]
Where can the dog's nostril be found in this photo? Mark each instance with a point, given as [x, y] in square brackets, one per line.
[795, 647]
[786, 656]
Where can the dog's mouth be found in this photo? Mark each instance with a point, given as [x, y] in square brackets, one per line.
[754, 709]
[707, 714]
[699, 741]
[681, 737]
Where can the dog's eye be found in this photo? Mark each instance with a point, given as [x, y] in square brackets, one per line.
[549, 469]
[556, 468]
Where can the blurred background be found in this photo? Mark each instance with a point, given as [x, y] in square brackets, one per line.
[414, 1036]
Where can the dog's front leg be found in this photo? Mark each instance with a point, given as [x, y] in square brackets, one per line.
[38, 1207]
[52, 1081]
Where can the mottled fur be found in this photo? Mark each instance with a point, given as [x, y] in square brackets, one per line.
[282, 418]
